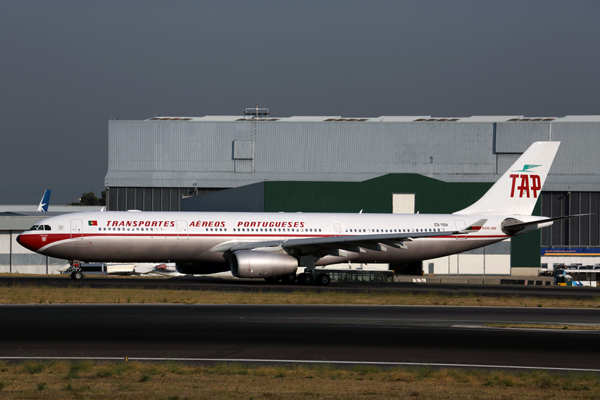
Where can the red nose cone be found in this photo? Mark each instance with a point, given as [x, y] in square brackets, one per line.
[31, 242]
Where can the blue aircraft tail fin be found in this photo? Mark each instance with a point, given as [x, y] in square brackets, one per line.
[43, 207]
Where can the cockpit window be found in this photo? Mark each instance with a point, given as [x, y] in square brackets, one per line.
[40, 228]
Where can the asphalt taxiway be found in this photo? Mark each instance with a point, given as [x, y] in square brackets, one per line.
[256, 285]
[357, 334]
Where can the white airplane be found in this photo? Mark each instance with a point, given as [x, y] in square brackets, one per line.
[273, 245]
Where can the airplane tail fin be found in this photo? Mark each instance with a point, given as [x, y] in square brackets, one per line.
[517, 191]
[43, 207]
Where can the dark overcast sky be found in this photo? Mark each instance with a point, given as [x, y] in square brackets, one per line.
[68, 66]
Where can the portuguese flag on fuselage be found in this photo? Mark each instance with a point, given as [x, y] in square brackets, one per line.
[93, 223]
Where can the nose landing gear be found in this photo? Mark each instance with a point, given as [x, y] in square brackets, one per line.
[76, 275]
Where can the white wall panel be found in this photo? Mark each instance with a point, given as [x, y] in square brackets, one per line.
[5, 242]
[470, 264]
[497, 264]
[403, 203]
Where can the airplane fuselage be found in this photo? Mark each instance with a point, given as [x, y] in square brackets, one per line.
[192, 236]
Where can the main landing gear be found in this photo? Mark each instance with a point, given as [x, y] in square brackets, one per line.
[320, 279]
[305, 278]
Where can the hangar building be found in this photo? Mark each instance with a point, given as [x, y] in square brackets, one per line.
[384, 164]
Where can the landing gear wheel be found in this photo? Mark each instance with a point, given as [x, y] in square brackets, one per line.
[323, 280]
[305, 279]
[272, 279]
[288, 279]
[76, 275]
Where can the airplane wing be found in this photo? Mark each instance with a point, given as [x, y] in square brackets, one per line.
[354, 243]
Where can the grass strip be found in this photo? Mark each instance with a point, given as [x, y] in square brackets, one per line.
[28, 294]
[134, 380]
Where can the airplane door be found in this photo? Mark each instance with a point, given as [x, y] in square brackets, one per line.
[182, 230]
[460, 225]
[338, 229]
[76, 231]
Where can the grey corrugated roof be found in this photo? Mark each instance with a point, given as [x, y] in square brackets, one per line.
[204, 155]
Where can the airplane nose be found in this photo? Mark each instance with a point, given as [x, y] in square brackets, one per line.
[31, 242]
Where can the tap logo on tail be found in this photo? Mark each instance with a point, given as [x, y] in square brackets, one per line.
[527, 168]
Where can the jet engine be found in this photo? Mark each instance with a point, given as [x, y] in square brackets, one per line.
[261, 264]
[200, 268]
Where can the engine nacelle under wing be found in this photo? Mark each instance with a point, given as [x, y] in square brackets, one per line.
[261, 264]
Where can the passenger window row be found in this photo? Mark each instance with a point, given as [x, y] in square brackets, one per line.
[393, 230]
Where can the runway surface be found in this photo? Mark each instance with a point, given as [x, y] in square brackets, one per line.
[255, 285]
[420, 334]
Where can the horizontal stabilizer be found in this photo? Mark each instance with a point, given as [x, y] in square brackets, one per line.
[513, 226]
